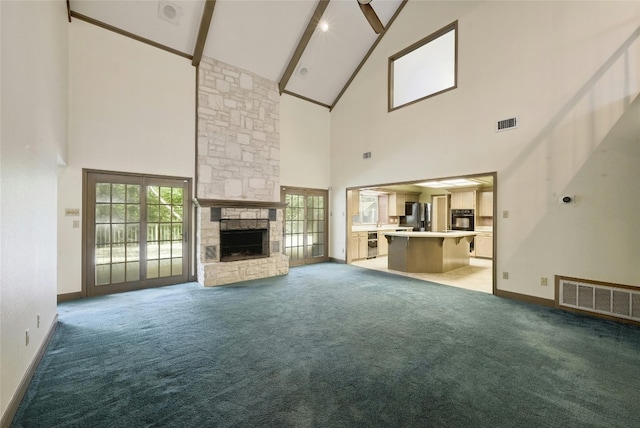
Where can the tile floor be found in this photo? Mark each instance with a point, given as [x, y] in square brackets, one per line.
[477, 276]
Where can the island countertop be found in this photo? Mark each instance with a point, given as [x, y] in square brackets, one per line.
[381, 228]
[452, 234]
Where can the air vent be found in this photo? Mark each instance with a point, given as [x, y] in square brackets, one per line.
[506, 124]
[366, 155]
[169, 12]
[303, 71]
[599, 298]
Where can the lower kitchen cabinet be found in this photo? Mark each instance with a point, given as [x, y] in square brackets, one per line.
[358, 248]
[383, 245]
[484, 245]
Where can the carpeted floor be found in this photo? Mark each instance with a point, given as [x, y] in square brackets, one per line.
[331, 345]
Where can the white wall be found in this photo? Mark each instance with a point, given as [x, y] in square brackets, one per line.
[569, 71]
[33, 136]
[304, 143]
[132, 109]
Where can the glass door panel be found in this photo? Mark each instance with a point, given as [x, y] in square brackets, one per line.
[294, 227]
[315, 226]
[137, 228]
[305, 225]
[117, 222]
[164, 231]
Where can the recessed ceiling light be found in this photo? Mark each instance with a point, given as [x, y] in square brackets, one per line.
[169, 12]
[324, 26]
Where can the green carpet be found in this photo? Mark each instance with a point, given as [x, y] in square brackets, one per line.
[331, 345]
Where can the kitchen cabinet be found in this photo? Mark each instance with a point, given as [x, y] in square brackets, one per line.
[397, 202]
[383, 245]
[463, 200]
[412, 197]
[358, 248]
[485, 204]
[354, 201]
[484, 245]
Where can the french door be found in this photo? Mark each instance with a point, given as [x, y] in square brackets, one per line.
[136, 232]
[305, 225]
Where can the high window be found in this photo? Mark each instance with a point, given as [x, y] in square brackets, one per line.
[424, 69]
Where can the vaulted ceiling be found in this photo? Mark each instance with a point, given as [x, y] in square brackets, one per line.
[312, 48]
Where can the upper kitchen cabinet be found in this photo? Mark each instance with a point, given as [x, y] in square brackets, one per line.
[485, 204]
[463, 200]
[353, 198]
[398, 202]
[412, 197]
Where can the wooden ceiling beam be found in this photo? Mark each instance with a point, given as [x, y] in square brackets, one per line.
[366, 57]
[203, 31]
[127, 34]
[302, 44]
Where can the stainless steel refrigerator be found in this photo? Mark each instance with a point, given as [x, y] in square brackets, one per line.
[419, 219]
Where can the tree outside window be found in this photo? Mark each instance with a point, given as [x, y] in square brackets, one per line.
[369, 208]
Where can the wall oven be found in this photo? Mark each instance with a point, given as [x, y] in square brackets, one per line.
[462, 220]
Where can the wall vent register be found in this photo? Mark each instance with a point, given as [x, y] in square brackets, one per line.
[605, 299]
[506, 124]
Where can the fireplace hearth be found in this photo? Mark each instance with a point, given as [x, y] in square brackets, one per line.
[243, 239]
[239, 241]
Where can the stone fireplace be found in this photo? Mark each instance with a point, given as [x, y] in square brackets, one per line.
[243, 239]
[240, 220]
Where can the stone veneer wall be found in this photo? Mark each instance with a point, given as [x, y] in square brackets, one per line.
[238, 159]
[238, 134]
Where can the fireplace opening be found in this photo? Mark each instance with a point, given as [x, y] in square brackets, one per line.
[243, 239]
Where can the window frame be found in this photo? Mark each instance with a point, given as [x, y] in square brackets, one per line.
[417, 45]
[361, 211]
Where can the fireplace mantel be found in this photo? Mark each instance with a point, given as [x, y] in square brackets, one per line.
[234, 203]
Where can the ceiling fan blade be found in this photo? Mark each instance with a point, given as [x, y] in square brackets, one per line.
[372, 17]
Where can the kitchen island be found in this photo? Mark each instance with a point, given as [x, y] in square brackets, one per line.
[428, 252]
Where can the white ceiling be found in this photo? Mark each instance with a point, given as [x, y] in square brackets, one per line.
[260, 36]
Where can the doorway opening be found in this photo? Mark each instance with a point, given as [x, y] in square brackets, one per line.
[445, 205]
